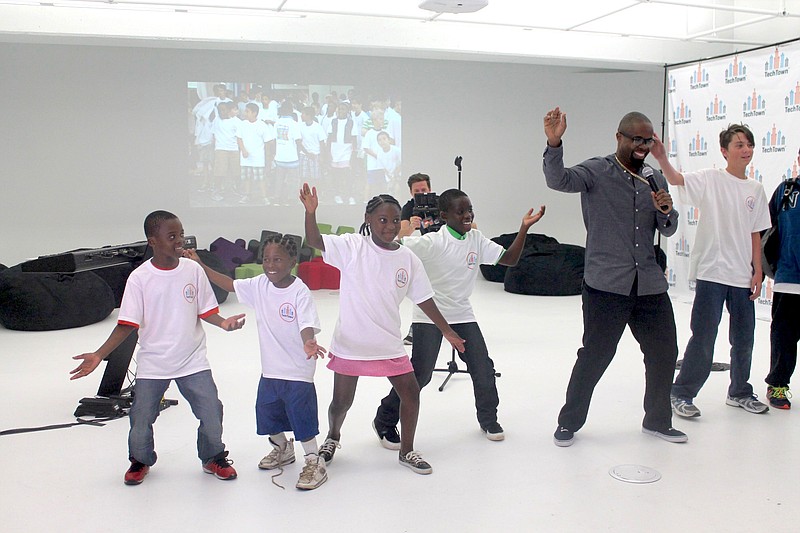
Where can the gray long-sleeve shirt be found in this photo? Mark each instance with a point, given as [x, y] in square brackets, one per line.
[620, 221]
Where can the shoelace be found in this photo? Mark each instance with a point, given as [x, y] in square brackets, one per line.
[307, 474]
[781, 393]
[414, 458]
[281, 454]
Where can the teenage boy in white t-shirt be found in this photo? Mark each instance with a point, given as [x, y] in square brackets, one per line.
[288, 145]
[726, 263]
[313, 144]
[227, 167]
[451, 257]
[165, 299]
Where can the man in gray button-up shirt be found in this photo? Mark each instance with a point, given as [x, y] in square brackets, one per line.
[623, 283]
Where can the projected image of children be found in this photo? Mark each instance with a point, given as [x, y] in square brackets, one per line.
[250, 143]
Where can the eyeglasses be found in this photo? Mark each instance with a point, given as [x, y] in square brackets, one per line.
[638, 141]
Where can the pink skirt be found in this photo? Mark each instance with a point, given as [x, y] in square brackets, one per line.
[377, 368]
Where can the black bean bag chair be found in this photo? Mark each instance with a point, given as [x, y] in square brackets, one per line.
[215, 263]
[554, 272]
[533, 241]
[43, 301]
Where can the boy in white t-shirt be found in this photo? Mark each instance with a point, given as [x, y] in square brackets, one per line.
[288, 145]
[389, 161]
[165, 299]
[256, 141]
[287, 324]
[726, 263]
[313, 143]
[451, 257]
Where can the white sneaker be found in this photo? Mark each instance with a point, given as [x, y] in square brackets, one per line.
[338, 199]
[279, 456]
[351, 201]
[313, 474]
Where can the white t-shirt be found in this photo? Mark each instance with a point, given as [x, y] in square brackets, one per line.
[374, 282]
[270, 112]
[452, 267]
[731, 210]
[312, 136]
[389, 161]
[167, 306]
[253, 136]
[225, 134]
[371, 141]
[281, 314]
[287, 133]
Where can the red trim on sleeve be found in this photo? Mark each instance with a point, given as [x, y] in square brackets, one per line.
[126, 323]
[210, 312]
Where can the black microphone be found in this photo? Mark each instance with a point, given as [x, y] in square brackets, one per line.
[647, 173]
[457, 162]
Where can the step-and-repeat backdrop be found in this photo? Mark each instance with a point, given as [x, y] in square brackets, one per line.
[760, 89]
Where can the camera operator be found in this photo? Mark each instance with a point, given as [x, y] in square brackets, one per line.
[417, 184]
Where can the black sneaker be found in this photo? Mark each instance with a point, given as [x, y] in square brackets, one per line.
[493, 431]
[563, 437]
[327, 449]
[389, 437]
[409, 340]
[415, 462]
[668, 434]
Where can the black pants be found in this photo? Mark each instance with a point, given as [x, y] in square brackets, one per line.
[784, 334]
[652, 324]
[425, 350]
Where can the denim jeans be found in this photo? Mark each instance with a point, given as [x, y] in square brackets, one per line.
[425, 351]
[201, 393]
[709, 299]
[652, 323]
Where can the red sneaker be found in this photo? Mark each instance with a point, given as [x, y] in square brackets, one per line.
[136, 473]
[220, 466]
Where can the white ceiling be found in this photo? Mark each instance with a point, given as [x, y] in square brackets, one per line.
[604, 33]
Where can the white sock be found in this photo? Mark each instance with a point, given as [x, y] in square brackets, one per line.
[310, 446]
[278, 439]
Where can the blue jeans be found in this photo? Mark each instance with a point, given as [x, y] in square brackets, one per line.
[706, 314]
[201, 393]
[425, 351]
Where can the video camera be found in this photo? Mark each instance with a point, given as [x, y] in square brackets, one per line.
[426, 207]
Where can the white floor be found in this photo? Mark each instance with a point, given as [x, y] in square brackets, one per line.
[736, 473]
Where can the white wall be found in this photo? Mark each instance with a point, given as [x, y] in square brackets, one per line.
[95, 137]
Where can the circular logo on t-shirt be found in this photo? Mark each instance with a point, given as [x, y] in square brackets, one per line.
[750, 203]
[190, 293]
[472, 258]
[401, 278]
[287, 312]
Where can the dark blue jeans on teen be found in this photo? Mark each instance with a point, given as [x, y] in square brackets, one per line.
[200, 392]
[605, 316]
[425, 351]
[709, 299]
[784, 333]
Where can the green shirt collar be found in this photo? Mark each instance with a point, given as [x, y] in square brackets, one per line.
[456, 234]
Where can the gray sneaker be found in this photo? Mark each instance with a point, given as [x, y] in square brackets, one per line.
[415, 462]
[748, 403]
[684, 408]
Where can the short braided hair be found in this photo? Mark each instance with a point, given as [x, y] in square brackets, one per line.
[285, 242]
[373, 204]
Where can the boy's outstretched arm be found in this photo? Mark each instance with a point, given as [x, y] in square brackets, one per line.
[89, 361]
[228, 324]
[217, 278]
[660, 153]
[758, 272]
[429, 308]
[308, 196]
[511, 255]
[310, 346]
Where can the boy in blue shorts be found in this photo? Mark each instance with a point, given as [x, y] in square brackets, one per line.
[287, 323]
[165, 299]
